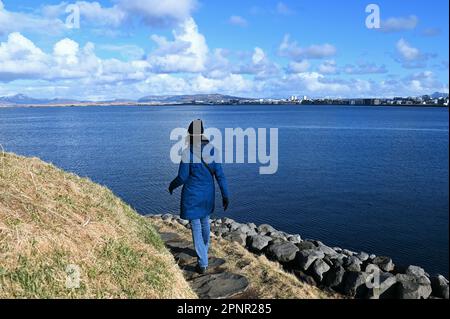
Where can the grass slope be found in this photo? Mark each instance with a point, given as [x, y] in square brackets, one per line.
[53, 222]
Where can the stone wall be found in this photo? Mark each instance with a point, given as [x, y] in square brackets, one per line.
[355, 274]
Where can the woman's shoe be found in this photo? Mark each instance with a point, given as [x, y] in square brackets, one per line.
[201, 270]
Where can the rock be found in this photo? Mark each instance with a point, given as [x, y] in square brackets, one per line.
[319, 267]
[338, 249]
[347, 252]
[167, 217]
[352, 263]
[372, 257]
[278, 235]
[412, 287]
[264, 228]
[439, 285]
[304, 277]
[306, 257]
[258, 242]
[384, 263]
[295, 239]
[237, 237]
[328, 251]
[283, 252]
[338, 260]
[381, 285]
[334, 277]
[304, 245]
[183, 222]
[234, 226]
[363, 256]
[244, 229]
[355, 284]
[227, 221]
[252, 226]
[184, 258]
[415, 271]
[219, 286]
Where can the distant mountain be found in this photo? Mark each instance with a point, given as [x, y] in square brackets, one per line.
[437, 95]
[207, 98]
[22, 99]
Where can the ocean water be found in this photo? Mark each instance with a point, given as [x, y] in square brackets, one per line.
[367, 179]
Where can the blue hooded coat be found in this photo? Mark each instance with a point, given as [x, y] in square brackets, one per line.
[198, 193]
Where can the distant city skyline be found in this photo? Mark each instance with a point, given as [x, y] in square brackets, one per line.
[104, 50]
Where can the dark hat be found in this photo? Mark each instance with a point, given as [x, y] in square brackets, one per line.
[196, 127]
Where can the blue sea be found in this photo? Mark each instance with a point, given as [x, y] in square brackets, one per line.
[372, 179]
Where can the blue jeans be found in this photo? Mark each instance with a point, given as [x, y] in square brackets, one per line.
[200, 235]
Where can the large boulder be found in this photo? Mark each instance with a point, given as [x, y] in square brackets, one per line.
[355, 284]
[283, 252]
[236, 236]
[334, 277]
[257, 243]
[295, 239]
[319, 268]
[415, 271]
[304, 245]
[278, 235]
[384, 263]
[352, 263]
[304, 277]
[363, 256]
[328, 251]
[265, 228]
[305, 258]
[243, 228]
[381, 285]
[413, 287]
[439, 285]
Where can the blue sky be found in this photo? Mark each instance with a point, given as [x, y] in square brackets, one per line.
[134, 48]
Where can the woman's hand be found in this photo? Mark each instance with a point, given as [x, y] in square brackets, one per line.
[225, 202]
[171, 187]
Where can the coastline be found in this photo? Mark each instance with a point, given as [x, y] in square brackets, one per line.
[9, 106]
[354, 274]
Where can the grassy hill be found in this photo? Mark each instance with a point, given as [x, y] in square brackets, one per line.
[62, 236]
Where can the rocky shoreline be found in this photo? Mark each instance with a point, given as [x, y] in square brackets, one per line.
[355, 274]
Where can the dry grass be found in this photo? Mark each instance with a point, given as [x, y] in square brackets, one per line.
[267, 278]
[50, 219]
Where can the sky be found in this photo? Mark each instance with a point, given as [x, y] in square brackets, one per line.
[109, 49]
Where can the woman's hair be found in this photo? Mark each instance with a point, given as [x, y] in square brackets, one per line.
[195, 133]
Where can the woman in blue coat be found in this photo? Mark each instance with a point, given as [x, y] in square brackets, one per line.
[196, 173]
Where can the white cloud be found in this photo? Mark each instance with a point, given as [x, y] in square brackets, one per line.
[258, 56]
[20, 58]
[238, 21]
[157, 12]
[260, 66]
[283, 9]
[328, 67]
[294, 51]
[365, 68]
[18, 22]
[298, 67]
[406, 51]
[150, 12]
[399, 24]
[188, 52]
